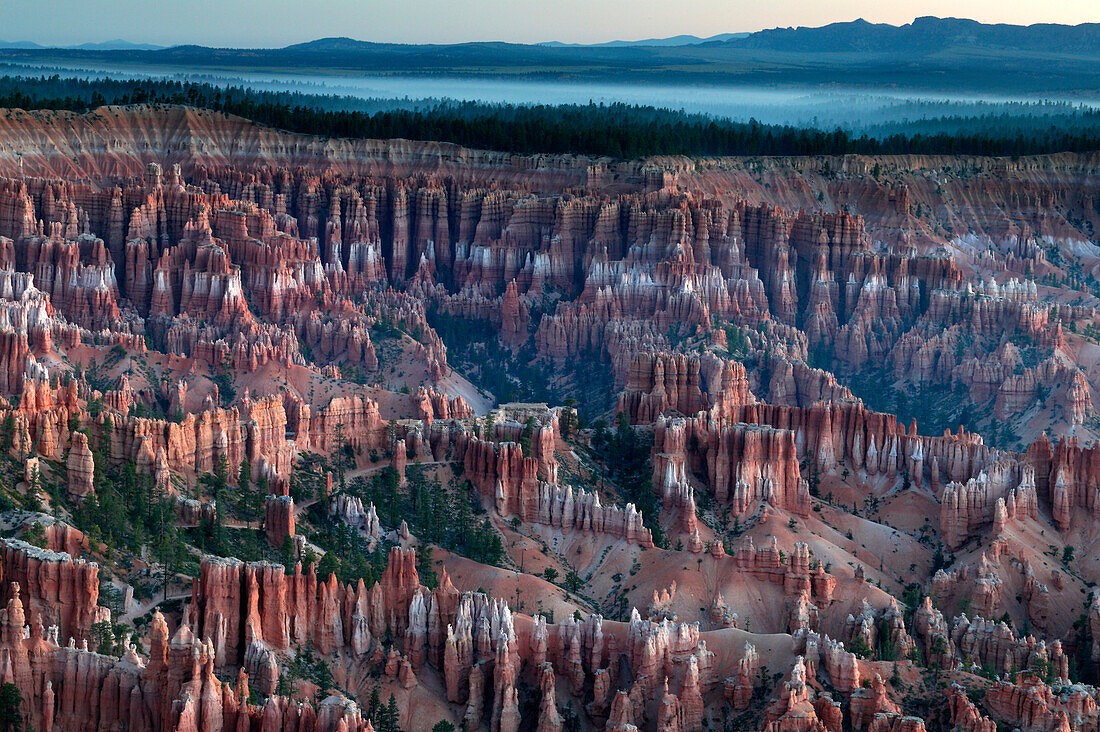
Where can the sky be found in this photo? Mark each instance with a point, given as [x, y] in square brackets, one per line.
[273, 23]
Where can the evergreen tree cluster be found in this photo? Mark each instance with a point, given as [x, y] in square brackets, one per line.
[626, 455]
[436, 514]
[127, 510]
[615, 130]
[11, 719]
[385, 717]
[347, 553]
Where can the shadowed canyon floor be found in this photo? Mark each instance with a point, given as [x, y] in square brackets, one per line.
[319, 434]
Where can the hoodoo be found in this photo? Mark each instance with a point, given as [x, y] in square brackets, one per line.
[346, 435]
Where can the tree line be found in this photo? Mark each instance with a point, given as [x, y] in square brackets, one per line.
[613, 130]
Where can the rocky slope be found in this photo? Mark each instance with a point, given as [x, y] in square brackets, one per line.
[852, 472]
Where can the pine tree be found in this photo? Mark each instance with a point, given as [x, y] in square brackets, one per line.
[244, 474]
[526, 436]
[10, 718]
[288, 559]
[424, 567]
[388, 717]
[250, 500]
[7, 432]
[374, 704]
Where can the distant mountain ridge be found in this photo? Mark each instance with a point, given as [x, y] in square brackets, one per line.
[925, 34]
[116, 45]
[945, 54]
[681, 40]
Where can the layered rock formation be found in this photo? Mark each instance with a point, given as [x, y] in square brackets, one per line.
[218, 304]
[279, 519]
[65, 687]
[55, 588]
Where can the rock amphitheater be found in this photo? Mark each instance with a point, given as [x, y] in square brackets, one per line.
[181, 291]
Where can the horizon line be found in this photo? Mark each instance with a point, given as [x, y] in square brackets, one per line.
[76, 46]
